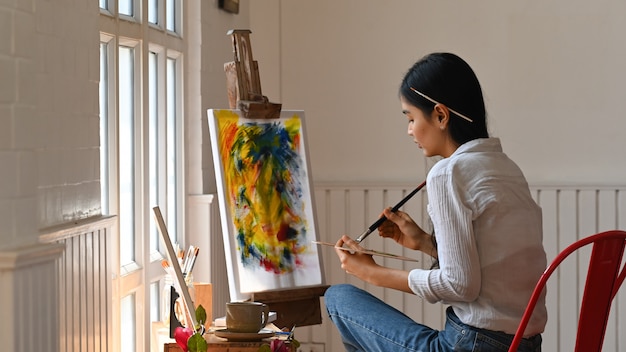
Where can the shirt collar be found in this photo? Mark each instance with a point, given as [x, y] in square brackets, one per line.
[479, 145]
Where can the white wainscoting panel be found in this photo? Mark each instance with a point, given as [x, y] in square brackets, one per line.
[84, 281]
[29, 298]
[569, 214]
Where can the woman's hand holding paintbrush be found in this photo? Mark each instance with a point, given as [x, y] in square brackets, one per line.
[382, 219]
[402, 229]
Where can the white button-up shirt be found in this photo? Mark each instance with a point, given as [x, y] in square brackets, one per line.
[489, 239]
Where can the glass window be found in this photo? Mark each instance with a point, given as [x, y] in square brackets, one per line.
[128, 323]
[155, 301]
[153, 11]
[125, 7]
[171, 149]
[104, 128]
[153, 145]
[126, 161]
[141, 155]
[170, 15]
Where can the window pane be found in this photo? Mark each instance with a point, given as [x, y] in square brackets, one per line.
[153, 11]
[171, 151]
[170, 15]
[104, 129]
[155, 301]
[128, 324]
[126, 155]
[104, 4]
[153, 152]
[125, 7]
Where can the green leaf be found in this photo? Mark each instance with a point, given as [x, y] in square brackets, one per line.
[197, 343]
[200, 315]
[295, 343]
[265, 348]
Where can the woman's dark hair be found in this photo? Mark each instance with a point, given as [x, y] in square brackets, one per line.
[449, 80]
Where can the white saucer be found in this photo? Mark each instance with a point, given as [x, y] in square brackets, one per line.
[244, 336]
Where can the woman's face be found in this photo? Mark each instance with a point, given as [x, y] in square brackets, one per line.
[428, 132]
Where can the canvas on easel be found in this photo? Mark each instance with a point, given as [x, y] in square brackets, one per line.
[266, 202]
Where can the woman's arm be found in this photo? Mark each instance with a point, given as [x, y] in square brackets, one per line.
[365, 268]
[459, 275]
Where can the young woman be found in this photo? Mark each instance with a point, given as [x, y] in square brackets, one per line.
[487, 240]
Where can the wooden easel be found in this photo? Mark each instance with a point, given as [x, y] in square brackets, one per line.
[298, 306]
[243, 82]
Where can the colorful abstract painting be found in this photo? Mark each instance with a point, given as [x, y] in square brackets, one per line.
[265, 201]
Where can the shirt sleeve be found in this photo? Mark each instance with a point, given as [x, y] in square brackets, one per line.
[458, 278]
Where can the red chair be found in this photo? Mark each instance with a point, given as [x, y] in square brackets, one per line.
[604, 277]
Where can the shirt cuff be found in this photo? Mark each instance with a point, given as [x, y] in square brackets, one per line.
[419, 284]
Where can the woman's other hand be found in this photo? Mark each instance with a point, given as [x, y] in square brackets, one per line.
[400, 227]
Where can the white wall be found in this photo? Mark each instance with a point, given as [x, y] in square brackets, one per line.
[551, 73]
[49, 174]
[49, 152]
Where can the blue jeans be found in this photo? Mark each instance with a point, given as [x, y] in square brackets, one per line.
[368, 324]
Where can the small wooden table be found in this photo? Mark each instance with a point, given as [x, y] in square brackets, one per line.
[217, 344]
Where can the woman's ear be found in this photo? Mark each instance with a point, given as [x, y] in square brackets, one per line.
[442, 114]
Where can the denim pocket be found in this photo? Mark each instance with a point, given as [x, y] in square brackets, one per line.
[493, 341]
[485, 343]
[457, 337]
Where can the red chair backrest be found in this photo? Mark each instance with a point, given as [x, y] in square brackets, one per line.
[604, 277]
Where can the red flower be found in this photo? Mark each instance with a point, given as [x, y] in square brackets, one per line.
[279, 346]
[181, 335]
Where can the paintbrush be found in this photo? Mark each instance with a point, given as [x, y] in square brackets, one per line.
[185, 265]
[382, 219]
[192, 261]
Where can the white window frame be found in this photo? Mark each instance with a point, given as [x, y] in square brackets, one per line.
[138, 277]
